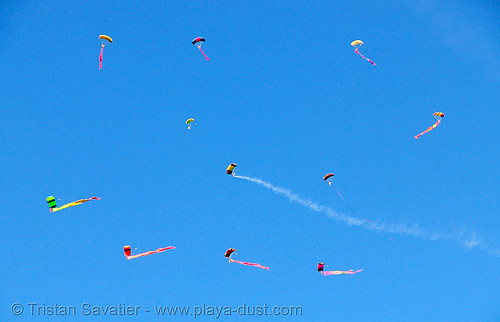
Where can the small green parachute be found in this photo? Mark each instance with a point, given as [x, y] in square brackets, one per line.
[51, 200]
[188, 122]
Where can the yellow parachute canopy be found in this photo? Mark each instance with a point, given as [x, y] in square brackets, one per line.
[188, 122]
[230, 168]
[108, 38]
[440, 114]
[356, 43]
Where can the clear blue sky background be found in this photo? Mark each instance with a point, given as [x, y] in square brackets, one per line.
[284, 96]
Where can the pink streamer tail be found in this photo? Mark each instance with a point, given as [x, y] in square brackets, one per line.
[100, 57]
[365, 58]
[340, 272]
[429, 129]
[249, 264]
[199, 47]
[159, 250]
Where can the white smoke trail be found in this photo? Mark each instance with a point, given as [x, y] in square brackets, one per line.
[468, 240]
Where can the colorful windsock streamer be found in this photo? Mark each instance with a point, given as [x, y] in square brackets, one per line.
[100, 56]
[199, 47]
[437, 116]
[230, 251]
[340, 272]
[248, 264]
[365, 58]
[71, 204]
[321, 267]
[128, 250]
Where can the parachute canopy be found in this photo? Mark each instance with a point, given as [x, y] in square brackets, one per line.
[189, 121]
[321, 266]
[104, 37]
[440, 114]
[327, 176]
[51, 200]
[197, 40]
[229, 252]
[230, 168]
[127, 250]
[356, 43]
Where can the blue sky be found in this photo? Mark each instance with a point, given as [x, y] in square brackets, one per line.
[286, 98]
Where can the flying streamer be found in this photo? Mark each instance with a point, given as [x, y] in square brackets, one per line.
[438, 116]
[322, 265]
[340, 272]
[51, 200]
[128, 252]
[230, 251]
[356, 44]
[466, 238]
